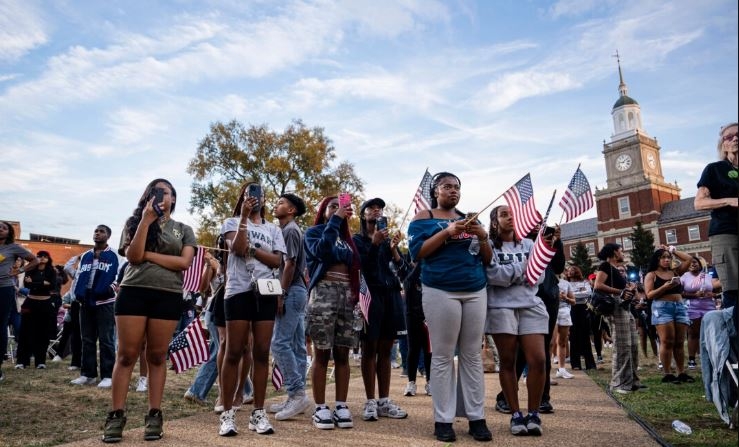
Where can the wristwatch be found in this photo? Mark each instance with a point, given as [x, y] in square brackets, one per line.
[253, 250]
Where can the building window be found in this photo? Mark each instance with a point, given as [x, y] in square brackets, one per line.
[623, 206]
[694, 233]
[628, 245]
[671, 237]
[591, 248]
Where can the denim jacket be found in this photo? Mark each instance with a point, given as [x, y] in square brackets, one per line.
[718, 333]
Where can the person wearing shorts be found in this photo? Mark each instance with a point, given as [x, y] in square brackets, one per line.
[669, 313]
[255, 250]
[385, 322]
[698, 287]
[564, 322]
[516, 316]
[334, 268]
[149, 302]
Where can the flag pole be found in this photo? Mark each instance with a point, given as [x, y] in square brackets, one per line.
[549, 208]
[402, 222]
[466, 222]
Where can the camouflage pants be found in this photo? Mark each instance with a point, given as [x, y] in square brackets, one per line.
[330, 317]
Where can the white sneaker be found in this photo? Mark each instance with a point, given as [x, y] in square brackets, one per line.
[82, 380]
[564, 374]
[259, 422]
[72, 368]
[279, 406]
[105, 383]
[391, 410]
[56, 359]
[369, 413]
[428, 388]
[294, 406]
[228, 423]
[343, 417]
[143, 385]
[322, 419]
[410, 389]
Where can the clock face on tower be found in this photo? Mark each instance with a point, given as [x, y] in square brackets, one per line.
[623, 162]
[651, 161]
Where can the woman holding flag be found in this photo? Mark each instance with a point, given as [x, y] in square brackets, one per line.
[149, 302]
[453, 251]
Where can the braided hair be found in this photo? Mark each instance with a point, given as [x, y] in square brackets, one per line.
[435, 181]
[493, 229]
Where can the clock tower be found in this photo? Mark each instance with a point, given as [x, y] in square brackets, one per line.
[636, 189]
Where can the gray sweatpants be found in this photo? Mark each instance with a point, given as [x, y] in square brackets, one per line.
[456, 319]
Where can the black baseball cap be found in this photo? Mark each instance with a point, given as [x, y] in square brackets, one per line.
[376, 201]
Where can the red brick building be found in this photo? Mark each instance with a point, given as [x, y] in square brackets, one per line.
[61, 249]
[636, 191]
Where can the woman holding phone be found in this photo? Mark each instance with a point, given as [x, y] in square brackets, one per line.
[453, 252]
[149, 302]
[669, 313]
[255, 250]
[334, 265]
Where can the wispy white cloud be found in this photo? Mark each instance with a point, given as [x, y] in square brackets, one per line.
[21, 29]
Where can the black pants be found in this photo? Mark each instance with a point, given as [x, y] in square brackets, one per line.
[580, 338]
[34, 336]
[597, 324]
[417, 341]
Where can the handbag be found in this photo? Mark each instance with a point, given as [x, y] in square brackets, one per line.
[601, 304]
[268, 287]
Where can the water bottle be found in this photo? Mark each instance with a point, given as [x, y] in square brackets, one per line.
[474, 246]
[681, 427]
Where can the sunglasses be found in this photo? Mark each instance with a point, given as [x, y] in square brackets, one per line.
[730, 137]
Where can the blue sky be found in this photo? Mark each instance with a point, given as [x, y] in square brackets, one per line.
[98, 98]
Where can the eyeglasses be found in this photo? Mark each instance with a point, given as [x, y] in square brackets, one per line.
[730, 137]
[449, 187]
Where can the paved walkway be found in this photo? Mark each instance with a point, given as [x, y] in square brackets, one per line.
[584, 416]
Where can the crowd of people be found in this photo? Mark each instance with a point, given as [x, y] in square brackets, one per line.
[338, 292]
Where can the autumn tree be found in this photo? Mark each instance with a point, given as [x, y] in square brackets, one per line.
[298, 160]
[581, 258]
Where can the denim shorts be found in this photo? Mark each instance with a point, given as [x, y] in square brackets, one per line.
[664, 312]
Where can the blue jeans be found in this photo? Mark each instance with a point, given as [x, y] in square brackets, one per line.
[7, 304]
[288, 340]
[97, 323]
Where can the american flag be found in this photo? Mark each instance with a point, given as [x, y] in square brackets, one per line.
[520, 198]
[277, 377]
[422, 199]
[364, 297]
[191, 276]
[539, 258]
[189, 348]
[577, 198]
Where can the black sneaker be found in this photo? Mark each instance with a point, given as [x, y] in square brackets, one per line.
[153, 425]
[114, 423]
[444, 432]
[546, 407]
[479, 431]
[533, 424]
[518, 425]
[501, 406]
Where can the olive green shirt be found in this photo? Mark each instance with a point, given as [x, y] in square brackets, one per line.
[174, 237]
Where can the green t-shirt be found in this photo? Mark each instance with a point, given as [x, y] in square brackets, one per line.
[173, 238]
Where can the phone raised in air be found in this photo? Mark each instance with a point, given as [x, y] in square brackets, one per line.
[345, 199]
[381, 223]
[158, 195]
[255, 190]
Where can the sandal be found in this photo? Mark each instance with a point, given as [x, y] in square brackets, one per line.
[685, 378]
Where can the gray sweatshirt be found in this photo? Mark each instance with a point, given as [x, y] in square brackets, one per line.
[507, 286]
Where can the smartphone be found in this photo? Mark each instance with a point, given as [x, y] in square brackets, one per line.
[255, 191]
[675, 279]
[381, 223]
[158, 195]
[345, 199]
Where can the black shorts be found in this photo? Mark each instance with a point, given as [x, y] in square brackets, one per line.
[382, 317]
[219, 313]
[152, 303]
[246, 306]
